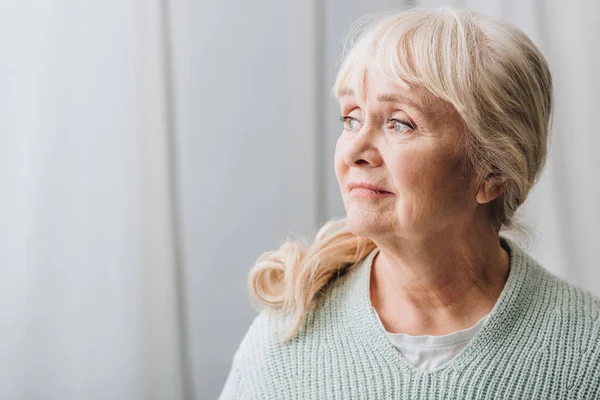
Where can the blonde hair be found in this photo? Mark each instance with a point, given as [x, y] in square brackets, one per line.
[494, 77]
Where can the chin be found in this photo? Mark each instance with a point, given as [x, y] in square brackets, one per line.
[366, 224]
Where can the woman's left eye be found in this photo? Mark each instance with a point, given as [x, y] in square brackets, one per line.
[399, 126]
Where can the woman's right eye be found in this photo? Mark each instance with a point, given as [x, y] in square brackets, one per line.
[350, 124]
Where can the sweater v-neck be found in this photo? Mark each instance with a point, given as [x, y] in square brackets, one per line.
[367, 325]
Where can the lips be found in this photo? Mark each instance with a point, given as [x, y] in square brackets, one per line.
[367, 186]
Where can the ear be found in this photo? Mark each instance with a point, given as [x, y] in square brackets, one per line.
[491, 188]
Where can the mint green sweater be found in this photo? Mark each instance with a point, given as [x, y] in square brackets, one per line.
[541, 341]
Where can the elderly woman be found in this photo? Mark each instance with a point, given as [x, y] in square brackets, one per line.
[415, 294]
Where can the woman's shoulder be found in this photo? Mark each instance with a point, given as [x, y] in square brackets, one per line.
[263, 344]
[568, 315]
[267, 330]
[565, 297]
[264, 333]
[263, 360]
[263, 347]
[251, 358]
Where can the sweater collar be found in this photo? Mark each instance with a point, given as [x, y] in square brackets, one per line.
[501, 318]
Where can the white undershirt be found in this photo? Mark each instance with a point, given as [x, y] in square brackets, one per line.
[429, 352]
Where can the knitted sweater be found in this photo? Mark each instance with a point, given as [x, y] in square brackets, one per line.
[541, 341]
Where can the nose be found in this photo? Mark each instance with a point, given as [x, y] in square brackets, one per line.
[361, 149]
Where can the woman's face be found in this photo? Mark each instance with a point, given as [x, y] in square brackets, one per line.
[409, 146]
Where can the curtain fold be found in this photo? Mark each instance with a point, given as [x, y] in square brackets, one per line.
[89, 276]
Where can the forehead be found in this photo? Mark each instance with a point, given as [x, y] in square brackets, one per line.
[370, 88]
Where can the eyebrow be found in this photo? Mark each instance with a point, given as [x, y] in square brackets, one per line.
[385, 98]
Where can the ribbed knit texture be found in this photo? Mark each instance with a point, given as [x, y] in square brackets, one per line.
[541, 341]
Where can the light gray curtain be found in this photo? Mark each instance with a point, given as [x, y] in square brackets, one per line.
[88, 295]
[150, 151]
[247, 116]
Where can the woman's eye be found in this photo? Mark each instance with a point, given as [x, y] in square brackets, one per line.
[350, 124]
[398, 126]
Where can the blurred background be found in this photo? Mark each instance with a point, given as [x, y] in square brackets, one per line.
[151, 150]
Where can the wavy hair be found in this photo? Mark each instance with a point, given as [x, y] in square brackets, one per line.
[494, 77]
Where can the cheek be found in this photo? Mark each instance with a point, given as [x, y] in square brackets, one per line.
[338, 161]
[407, 172]
[423, 181]
[432, 183]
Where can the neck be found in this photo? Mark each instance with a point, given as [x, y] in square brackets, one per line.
[438, 283]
